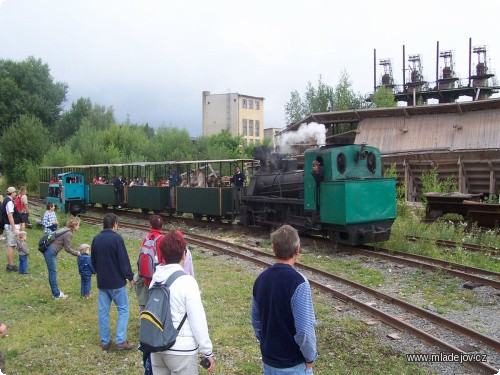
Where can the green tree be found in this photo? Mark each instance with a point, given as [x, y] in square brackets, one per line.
[221, 146]
[27, 88]
[344, 98]
[383, 97]
[294, 110]
[318, 99]
[99, 118]
[23, 145]
[323, 98]
[171, 143]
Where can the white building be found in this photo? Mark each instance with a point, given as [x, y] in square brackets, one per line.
[242, 115]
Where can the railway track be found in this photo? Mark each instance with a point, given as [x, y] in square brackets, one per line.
[454, 245]
[432, 264]
[429, 327]
[321, 280]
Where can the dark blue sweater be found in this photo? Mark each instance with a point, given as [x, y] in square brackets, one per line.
[110, 260]
[282, 304]
[85, 265]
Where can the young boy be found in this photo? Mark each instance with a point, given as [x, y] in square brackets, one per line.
[22, 248]
[86, 270]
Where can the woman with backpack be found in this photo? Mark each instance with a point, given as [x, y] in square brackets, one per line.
[63, 240]
[185, 300]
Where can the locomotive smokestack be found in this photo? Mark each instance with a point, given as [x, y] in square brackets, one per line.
[262, 154]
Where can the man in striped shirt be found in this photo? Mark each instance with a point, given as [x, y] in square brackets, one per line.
[282, 310]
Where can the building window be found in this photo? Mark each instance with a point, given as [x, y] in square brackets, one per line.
[250, 126]
[244, 126]
[250, 104]
[244, 103]
[257, 105]
[257, 128]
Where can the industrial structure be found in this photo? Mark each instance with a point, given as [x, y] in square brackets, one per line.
[461, 140]
[242, 115]
[447, 87]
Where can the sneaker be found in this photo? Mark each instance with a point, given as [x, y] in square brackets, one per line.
[106, 347]
[61, 296]
[12, 267]
[2, 238]
[125, 346]
[119, 207]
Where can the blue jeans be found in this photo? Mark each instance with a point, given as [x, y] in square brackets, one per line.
[23, 264]
[86, 284]
[50, 259]
[300, 369]
[120, 299]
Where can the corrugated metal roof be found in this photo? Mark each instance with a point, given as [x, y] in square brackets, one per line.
[356, 115]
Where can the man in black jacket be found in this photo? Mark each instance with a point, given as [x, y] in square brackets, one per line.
[112, 265]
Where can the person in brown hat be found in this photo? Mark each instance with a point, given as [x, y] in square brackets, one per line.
[12, 221]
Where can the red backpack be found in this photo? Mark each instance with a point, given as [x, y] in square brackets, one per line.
[18, 203]
[147, 261]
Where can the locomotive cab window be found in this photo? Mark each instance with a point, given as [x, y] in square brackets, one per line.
[341, 163]
[371, 162]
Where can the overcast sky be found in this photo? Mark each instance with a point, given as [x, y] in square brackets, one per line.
[151, 59]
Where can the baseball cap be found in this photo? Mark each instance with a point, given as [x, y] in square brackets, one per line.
[83, 246]
[11, 189]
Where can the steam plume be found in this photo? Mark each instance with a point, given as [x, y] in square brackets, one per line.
[312, 134]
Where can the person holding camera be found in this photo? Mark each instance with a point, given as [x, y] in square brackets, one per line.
[282, 310]
[185, 299]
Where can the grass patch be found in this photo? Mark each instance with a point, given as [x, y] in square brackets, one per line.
[438, 290]
[409, 222]
[350, 269]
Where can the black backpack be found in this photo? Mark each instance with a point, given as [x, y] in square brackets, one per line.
[45, 241]
[157, 332]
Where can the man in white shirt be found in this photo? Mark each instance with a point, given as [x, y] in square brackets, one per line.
[12, 220]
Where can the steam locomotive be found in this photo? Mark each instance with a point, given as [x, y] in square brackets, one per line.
[353, 204]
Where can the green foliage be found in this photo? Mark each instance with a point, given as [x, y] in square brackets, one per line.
[319, 99]
[27, 88]
[22, 144]
[383, 97]
[323, 98]
[294, 108]
[60, 156]
[344, 97]
[400, 186]
[170, 143]
[431, 182]
[220, 146]
[83, 112]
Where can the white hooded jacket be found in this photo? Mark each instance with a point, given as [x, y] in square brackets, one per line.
[185, 298]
